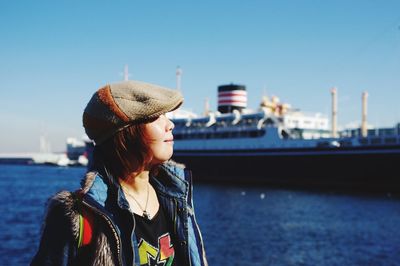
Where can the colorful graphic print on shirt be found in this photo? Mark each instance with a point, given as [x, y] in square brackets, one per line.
[152, 256]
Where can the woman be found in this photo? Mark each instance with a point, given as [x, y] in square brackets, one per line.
[135, 207]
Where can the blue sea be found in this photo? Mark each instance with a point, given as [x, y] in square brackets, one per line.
[240, 225]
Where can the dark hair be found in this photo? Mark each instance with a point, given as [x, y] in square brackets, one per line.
[124, 153]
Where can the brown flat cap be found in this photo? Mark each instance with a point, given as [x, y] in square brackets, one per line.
[115, 106]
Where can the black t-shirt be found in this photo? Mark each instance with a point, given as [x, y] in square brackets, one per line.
[154, 240]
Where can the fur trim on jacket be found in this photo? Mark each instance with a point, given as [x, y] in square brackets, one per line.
[64, 210]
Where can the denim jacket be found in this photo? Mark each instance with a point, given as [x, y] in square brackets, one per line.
[114, 225]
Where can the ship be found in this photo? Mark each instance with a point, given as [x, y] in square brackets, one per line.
[282, 146]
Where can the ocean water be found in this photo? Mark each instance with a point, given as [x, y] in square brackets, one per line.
[240, 225]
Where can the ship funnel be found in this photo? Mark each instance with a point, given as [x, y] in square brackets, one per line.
[334, 112]
[364, 129]
[231, 97]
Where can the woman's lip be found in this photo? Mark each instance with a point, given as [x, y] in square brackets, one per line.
[169, 140]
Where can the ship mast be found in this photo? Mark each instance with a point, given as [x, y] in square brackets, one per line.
[364, 130]
[178, 78]
[206, 107]
[126, 73]
[334, 112]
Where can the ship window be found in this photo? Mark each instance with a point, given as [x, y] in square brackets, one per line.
[390, 140]
[211, 134]
[345, 143]
[222, 123]
[376, 141]
[372, 132]
[253, 133]
[235, 134]
[244, 133]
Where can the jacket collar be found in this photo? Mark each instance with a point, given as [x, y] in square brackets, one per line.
[169, 179]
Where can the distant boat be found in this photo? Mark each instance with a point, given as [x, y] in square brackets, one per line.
[59, 159]
[74, 156]
[279, 145]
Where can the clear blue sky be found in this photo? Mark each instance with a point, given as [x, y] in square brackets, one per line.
[55, 54]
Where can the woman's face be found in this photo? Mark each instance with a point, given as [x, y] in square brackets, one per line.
[159, 139]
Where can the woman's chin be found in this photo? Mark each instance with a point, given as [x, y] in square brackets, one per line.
[160, 160]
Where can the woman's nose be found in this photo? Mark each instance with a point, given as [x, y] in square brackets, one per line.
[171, 125]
